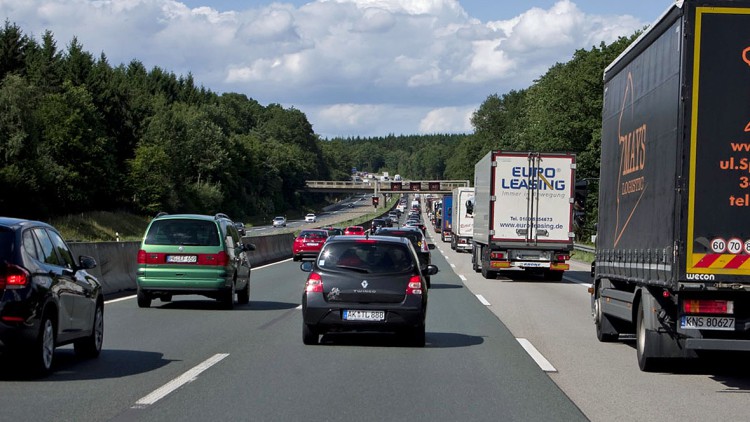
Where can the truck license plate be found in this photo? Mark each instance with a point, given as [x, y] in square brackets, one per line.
[707, 323]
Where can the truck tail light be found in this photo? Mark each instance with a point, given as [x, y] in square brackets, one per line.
[708, 306]
[14, 277]
[415, 286]
[562, 257]
[314, 283]
[497, 255]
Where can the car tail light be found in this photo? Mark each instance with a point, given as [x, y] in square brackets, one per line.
[150, 257]
[15, 277]
[562, 257]
[497, 255]
[314, 283]
[708, 306]
[220, 259]
[415, 285]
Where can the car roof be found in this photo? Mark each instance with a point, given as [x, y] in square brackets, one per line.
[389, 239]
[17, 223]
[191, 217]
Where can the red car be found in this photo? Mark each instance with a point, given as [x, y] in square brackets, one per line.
[308, 244]
[354, 230]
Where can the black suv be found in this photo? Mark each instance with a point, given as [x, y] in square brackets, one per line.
[47, 298]
[377, 224]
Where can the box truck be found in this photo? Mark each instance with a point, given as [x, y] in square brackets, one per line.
[523, 208]
[446, 225]
[463, 219]
[673, 243]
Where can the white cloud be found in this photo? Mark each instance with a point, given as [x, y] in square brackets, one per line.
[414, 64]
[447, 120]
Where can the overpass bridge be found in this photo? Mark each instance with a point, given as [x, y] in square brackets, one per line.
[377, 188]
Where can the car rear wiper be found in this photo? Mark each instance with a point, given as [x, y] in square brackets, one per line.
[358, 269]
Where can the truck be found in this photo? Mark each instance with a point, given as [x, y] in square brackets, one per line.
[523, 213]
[446, 222]
[463, 219]
[673, 246]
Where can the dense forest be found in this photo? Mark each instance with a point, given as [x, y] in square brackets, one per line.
[79, 134]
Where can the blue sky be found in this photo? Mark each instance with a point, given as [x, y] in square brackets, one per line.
[355, 67]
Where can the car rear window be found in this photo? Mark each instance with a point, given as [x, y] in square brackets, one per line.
[7, 241]
[414, 237]
[307, 234]
[183, 232]
[366, 256]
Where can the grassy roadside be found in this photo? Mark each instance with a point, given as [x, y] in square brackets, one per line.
[101, 226]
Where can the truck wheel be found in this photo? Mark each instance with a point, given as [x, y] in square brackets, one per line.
[489, 275]
[605, 332]
[475, 259]
[551, 275]
[645, 345]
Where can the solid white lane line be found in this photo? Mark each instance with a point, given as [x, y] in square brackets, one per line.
[119, 299]
[298, 307]
[538, 358]
[178, 382]
[483, 300]
[462, 277]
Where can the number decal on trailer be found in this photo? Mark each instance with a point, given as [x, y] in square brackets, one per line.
[718, 245]
[735, 246]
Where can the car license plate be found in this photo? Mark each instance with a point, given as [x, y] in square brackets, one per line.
[707, 323]
[312, 243]
[182, 259]
[356, 315]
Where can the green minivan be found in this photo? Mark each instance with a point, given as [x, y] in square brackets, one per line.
[186, 254]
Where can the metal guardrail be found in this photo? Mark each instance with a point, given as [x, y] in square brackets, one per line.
[584, 248]
[392, 186]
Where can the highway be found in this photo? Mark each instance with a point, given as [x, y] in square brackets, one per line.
[514, 348]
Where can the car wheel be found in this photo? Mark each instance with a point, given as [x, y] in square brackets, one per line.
[243, 296]
[416, 336]
[166, 298]
[309, 335]
[227, 298]
[144, 299]
[427, 280]
[43, 349]
[91, 346]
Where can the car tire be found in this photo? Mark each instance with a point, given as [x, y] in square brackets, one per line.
[309, 335]
[417, 336]
[144, 299]
[166, 298]
[227, 298]
[427, 281]
[91, 346]
[42, 351]
[243, 296]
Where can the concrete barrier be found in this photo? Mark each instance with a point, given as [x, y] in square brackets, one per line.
[117, 261]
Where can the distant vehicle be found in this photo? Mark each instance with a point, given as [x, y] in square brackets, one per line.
[463, 219]
[354, 230]
[240, 228]
[310, 218]
[308, 244]
[392, 298]
[48, 297]
[279, 221]
[417, 239]
[185, 254]
[377, 224]
[333, 231]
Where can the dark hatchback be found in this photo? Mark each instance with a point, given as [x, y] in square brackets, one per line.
[417, 239]
[365, 283]
[47, 298]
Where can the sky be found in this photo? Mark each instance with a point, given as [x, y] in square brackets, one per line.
[354, 67]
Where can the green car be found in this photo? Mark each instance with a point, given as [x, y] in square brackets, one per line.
[185, 254]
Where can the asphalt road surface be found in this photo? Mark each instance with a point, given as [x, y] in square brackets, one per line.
[514, 348]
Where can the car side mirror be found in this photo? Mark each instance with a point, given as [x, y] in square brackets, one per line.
[432, 269]
[86, 262]
[306, 266]
[248, 247]
[430, 246]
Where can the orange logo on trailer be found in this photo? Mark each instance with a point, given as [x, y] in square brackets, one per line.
[746, 59]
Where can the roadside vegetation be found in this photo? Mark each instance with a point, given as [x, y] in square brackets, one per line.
[78, 134]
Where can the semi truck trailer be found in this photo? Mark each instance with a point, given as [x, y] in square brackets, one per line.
[446, 226]
[673, 241]
[523, 212]
[463, 219]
